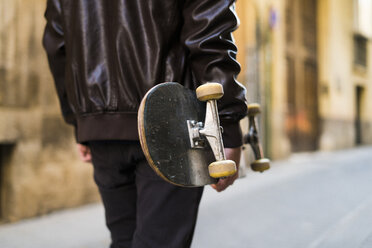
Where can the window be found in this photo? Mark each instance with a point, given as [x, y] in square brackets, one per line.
[360, 51]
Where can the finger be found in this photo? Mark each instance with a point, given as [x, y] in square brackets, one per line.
[84, 153]
[87, 155]
[216, 187]
[84, 150]
[86, 158]
[221, 185]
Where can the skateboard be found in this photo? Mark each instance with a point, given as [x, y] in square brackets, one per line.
[260, 164]
[180, 134]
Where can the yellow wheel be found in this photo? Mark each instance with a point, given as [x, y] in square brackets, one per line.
[253, 109]
[209, 91]
[261, 165]
[223, 168]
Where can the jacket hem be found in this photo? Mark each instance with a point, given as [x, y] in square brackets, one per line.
[107, 126]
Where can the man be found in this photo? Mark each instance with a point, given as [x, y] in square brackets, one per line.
[104, 55]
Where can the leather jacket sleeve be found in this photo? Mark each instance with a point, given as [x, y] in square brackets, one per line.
[208, 25]
[54, 44]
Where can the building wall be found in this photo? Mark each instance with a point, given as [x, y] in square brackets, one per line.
[336, 84]
[337, 75]
[264, 20]
[366, 111]
[39, 168]
[363, 78]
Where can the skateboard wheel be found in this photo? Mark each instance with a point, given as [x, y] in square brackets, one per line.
[223, 168]
[209, 91]
[261, 165]
[253, 109]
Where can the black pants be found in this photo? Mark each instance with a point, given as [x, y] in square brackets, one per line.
[141, 209]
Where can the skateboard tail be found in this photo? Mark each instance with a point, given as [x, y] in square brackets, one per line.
[142, 138]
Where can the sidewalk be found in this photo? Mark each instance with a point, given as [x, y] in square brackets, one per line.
[319, 200]
[82, 227]
[310, 200]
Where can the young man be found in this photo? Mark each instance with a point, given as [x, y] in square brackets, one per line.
[104, 55]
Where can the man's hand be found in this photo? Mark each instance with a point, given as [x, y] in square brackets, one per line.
[232, 154]
[84, 153]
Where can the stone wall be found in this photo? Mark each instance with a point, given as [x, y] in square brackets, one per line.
[39, 168]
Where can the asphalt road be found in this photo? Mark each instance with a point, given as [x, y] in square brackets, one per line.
[310, 200]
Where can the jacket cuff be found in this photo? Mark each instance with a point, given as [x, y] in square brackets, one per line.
[232, 135]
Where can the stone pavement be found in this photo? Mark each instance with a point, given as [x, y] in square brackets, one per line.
[321, 199]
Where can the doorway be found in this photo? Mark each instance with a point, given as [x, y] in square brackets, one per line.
[5, 155]
[302, 120]
[358, 115]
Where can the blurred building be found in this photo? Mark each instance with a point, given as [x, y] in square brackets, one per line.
[309, 63]
[39, 168]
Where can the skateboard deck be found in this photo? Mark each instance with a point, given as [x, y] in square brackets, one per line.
[164, 135]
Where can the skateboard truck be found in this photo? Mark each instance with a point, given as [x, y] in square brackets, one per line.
[260, 164]
[196, 141]
[211, 131]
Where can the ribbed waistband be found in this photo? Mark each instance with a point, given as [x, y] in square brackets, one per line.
[107, 126]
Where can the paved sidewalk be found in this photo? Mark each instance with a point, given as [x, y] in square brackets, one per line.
[82, 227]
[320, 200]
[310, 200]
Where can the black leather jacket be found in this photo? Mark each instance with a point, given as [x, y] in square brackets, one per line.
[105, 55]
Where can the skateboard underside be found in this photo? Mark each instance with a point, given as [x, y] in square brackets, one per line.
[163, 131]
